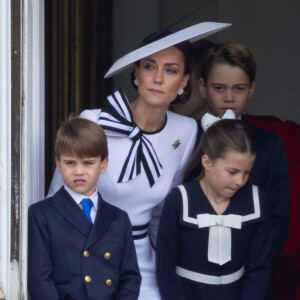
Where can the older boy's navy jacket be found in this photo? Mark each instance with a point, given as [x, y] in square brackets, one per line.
[70, 259]
[270, 171]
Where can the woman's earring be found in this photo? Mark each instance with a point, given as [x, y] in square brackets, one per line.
[203, 94]
[180, 92]
[136, 82]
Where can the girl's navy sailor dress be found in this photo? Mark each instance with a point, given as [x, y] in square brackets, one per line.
[202, 255]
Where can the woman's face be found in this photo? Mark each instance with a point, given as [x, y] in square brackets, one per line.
[160, 76]
[227, 87]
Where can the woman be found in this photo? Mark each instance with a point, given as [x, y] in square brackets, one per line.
[149, 146]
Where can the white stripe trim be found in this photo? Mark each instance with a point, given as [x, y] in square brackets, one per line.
[105, 115]
[185, 216]
[131, 162]
[123, 105]
[191, 220]
[151, 166]
[116, 125]
[209, 279]
[256, 213]
[139, 232]
[112, 101]
[152, 151]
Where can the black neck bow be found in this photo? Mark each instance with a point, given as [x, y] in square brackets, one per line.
[117, 120]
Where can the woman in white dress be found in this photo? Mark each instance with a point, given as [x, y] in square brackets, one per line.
[149, 146]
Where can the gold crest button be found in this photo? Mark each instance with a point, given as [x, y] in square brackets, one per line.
[108, 282]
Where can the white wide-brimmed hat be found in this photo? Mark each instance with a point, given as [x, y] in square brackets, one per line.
[192, 34]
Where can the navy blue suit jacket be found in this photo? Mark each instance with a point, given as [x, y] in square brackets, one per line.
[59, 235]
[270, 171]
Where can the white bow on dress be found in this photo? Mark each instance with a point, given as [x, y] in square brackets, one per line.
[219, 242]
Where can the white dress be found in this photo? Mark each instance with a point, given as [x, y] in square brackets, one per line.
[174, 144]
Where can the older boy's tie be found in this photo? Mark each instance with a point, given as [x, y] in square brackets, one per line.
[86, 207]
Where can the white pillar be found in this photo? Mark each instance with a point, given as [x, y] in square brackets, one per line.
[33, 118]
[13, 274]
[5, 142]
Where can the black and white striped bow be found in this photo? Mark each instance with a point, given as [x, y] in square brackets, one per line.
[117, 120]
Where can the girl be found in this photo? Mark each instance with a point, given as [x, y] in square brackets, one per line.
[214, 237]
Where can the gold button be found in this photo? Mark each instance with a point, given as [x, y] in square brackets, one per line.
[88, 278]
[107, 255]
[108, 282]
[86, 253]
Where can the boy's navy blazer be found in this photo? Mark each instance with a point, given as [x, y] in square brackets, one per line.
[64, 248]
[270, 171]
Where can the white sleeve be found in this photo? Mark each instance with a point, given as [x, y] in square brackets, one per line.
[91, 114]
[56, 183]
[157, 210]
[187, 155]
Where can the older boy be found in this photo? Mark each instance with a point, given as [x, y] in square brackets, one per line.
[81, 247]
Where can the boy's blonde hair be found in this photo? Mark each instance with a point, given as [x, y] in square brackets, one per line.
[81, 137]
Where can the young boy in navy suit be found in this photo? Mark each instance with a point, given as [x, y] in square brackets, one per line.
[81, 247]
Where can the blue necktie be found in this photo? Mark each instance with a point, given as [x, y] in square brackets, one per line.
[86, 207]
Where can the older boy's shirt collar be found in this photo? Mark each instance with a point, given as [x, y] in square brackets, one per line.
[238, 117]
[78, 197]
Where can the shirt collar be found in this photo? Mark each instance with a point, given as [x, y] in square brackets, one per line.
[239, 117]
[78, 197]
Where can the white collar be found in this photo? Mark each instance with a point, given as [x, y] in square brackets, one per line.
[78, 197]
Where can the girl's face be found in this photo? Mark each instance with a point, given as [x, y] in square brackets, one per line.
[160, 76]
[225, 176]
[227, 87]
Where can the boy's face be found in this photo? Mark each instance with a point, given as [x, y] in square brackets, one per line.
[227, 87]
[81, 174]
